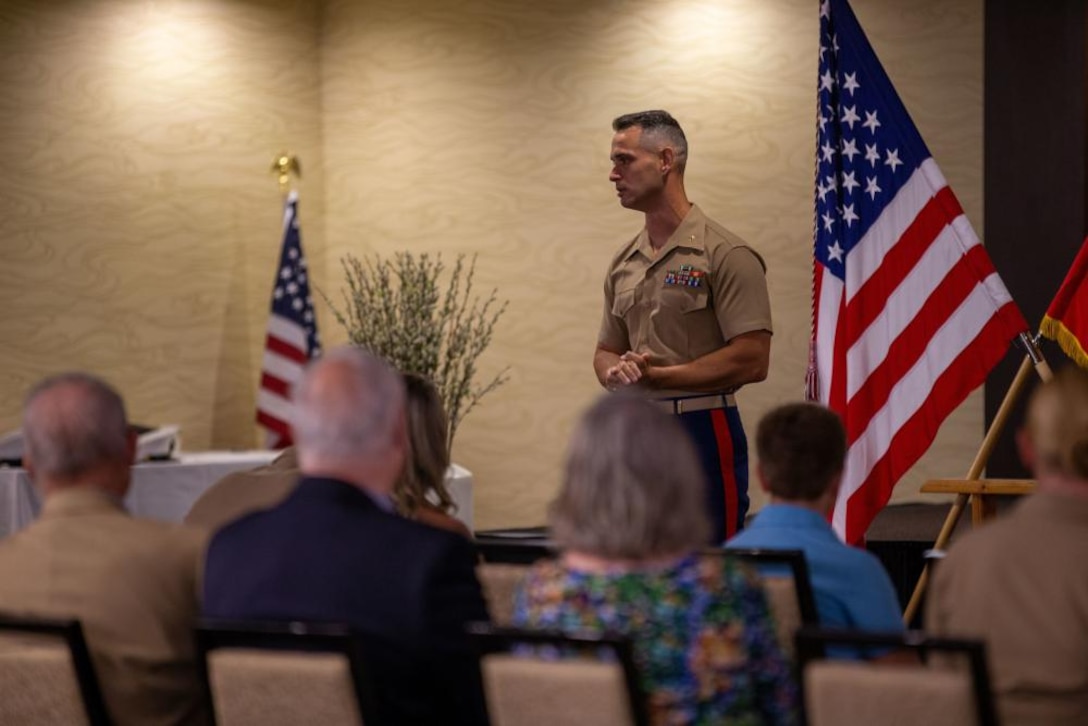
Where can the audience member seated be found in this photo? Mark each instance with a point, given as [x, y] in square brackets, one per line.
[420, 492]
[629, 521]
[1019, 583]
[801, 450]
[132, 583]
[243, 492]
[335, 550]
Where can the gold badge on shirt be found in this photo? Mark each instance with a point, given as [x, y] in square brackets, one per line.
[686, 276]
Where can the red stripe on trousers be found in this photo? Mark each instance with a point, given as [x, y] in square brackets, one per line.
[725, 463]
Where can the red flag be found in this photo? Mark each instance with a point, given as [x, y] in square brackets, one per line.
[292, 333]
[1066, 320]
[909, 314]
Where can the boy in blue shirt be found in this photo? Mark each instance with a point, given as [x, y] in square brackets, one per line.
[802, 450]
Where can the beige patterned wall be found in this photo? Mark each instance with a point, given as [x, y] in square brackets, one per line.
[483, 126]
[138, 218]
[140, 229]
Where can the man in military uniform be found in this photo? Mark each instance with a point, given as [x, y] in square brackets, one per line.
[686, 316]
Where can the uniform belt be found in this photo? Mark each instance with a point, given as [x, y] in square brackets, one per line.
[690, 404]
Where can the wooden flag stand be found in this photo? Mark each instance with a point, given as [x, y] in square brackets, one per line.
[972, 486]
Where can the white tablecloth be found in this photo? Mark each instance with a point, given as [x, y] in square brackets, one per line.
[166, 490]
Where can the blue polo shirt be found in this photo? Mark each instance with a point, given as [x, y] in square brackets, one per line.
[851, 588]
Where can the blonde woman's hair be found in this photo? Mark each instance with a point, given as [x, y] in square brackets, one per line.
[424, 476]
[633, 486]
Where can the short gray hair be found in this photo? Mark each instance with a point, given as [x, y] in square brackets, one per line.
[659, 129]
[73, 423]
[348, 402]
[1057, 422]
[633, 486]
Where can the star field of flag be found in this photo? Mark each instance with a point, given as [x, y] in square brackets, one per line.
[866, 145]
[291, 293]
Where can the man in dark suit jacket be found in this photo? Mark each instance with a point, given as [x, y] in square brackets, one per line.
[335, 551]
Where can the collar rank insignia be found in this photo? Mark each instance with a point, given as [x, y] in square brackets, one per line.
[686, 276]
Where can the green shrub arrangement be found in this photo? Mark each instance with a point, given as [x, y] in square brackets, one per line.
[400, 310]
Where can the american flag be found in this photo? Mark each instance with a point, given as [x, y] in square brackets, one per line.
[909, 315]
[291, 339]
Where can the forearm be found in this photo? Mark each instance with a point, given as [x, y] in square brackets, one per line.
[604, 359]
[744, 359]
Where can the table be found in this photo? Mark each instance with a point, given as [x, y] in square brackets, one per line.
[166, 490]
[981, 492]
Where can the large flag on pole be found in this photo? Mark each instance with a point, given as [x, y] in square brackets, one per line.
[1066, 320]
[291, 338]
[909, 315]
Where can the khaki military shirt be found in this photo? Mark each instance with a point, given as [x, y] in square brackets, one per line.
[133, 584]
[1020, 584]
[702, 289]
[243, 492]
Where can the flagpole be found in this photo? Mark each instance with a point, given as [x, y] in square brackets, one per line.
[1033, 359]
[291, 336]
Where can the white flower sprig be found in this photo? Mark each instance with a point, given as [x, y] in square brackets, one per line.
[395, 310]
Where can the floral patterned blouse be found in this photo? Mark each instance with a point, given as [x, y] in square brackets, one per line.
[703, 637]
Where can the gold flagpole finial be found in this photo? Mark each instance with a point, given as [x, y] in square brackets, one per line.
[283, 166]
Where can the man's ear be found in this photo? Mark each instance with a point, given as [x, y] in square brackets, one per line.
[1026, 449]
[836, 484]
[762, 478]
[131, 441]
[401, 440]
[668, 158]
[28, 462]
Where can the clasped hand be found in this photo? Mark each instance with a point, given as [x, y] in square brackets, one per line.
[628, 371]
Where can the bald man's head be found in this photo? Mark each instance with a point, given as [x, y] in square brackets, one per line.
[348, 406]
[74, 424]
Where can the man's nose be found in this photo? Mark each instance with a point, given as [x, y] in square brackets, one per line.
[614, 175]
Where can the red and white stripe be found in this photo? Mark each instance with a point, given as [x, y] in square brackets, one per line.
[919, 322]
[284, 360]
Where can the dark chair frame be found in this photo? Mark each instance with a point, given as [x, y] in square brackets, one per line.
[812, 642]
[512, 551]
[489, 639]
[798, 565]
[297, 637]
[69, 631]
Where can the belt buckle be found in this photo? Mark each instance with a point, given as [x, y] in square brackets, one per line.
[678, 403]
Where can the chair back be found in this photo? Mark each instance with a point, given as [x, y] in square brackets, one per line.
[504, 562]
[945, 683]
[787, 586]
[46, 674]
[541, 678]
[277, 674]
[500, 582]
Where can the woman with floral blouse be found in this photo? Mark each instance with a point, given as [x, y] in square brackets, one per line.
[630, 520]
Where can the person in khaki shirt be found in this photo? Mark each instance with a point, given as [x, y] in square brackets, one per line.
[132, 583]
[247, 491]
[1021, 583]
[687, 315]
